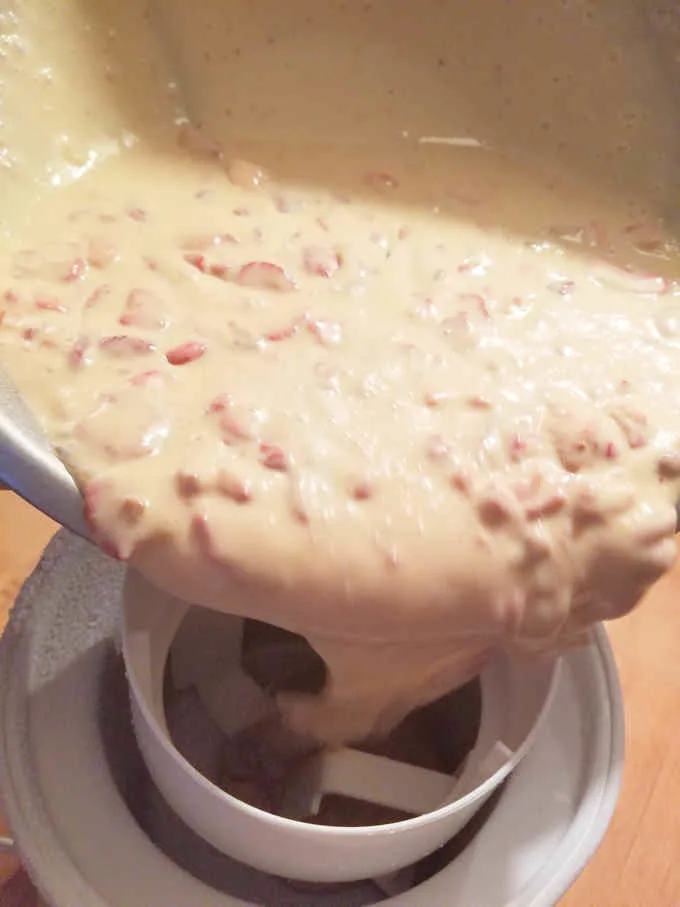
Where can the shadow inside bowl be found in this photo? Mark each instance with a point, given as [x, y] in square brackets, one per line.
[437, 737]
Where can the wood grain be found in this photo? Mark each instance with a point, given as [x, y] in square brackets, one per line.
[23, 535]
[638, 864]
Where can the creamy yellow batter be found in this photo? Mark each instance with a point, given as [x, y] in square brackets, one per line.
[358, 318]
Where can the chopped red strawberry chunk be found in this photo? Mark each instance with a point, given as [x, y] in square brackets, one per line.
[185, 353]
[124, 346]
[144, 309]
[273, 457]
[78, 355]
[101, 253]
[265, 276]
[382, 181]
[320, 262]
[196, 260]
[245, 174]
[50, 304]
[220, 271]
[97, 295]
[326, 332]
[196, 140]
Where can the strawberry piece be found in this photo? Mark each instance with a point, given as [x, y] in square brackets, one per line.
[273, 457]
[124, 346]
[221, 272]
[477, 302]
[201, 242]
[264, 275]
[50, 304]
[284, 333]
[196, 260]
[382, 182]
[195, 139]
[188, 484]
[327, 333]
[363, 490]
[144, 309]
[29, 263]
[320, 262]
[231, 486]
[234, 421]
[245, 174]
[101, 253]
[72, 271]
[186, 352]
[97, 295]
[132, 510]
[141, 379]
[95, 507]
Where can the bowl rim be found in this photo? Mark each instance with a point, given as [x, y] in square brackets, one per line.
[165, 745]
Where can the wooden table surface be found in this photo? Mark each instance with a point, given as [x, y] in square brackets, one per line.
[638, 865]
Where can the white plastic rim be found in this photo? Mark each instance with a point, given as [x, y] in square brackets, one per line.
[546, 863]
[285, 847]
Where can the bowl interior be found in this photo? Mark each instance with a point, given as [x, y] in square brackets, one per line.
[515, 692]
